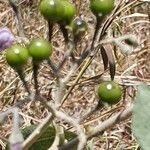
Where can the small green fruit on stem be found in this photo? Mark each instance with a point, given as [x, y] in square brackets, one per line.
[51, 10]
[109, 92]
[79, 28]
[66, 18]
[68, 13]
[17, 56]
[101, 7]
[40, 49]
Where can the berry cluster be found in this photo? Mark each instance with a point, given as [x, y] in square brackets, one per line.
[63, 13]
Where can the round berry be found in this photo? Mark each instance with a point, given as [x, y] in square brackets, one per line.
[40, 49]
[79, 26]
[109, 92]
[51, 9]
[69, 12]
[17, 56]
[101, 7]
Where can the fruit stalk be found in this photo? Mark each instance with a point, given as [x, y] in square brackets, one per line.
[35, 74]
[21, 76]
[50, 30]
[97, 26]
[64, 32]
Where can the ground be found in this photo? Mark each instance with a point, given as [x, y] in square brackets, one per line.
[131, 70]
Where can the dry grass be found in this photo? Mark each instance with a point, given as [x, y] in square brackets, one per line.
[131, 71]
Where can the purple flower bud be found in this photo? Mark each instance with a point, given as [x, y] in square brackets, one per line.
[16, 146]
[6, 38]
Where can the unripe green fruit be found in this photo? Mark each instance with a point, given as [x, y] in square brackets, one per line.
[69, 12]
[17, 56]
[79, 27]
[51, 9]
[101, 7]
[40, 49]
[109, 92]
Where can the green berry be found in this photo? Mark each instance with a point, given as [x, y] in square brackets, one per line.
[69, 12]
[109, 92]
[17, 56]
[51, 9]
[79, 27]
[101, 7]
[40, 49]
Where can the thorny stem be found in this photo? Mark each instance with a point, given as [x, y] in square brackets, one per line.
[68, 76]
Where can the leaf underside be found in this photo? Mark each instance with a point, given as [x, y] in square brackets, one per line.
[141, 117]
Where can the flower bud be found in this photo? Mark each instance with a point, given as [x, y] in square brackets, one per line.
[6, 38]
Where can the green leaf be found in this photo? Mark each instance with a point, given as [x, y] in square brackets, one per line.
[141, 117]
[46, 139]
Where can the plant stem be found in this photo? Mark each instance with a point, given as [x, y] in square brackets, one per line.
[69, 51]
[18, 18]
[64, 32]
[53, 67]
[107, 124]
[37, 132]
[97, 26]
[35, 73]
[21, 76]
[50, 30]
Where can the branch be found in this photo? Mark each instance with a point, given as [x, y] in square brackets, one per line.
[58, 114]
[18, 17]
[117, 118]
[37, 132]
[120, 116]
[16, 137]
